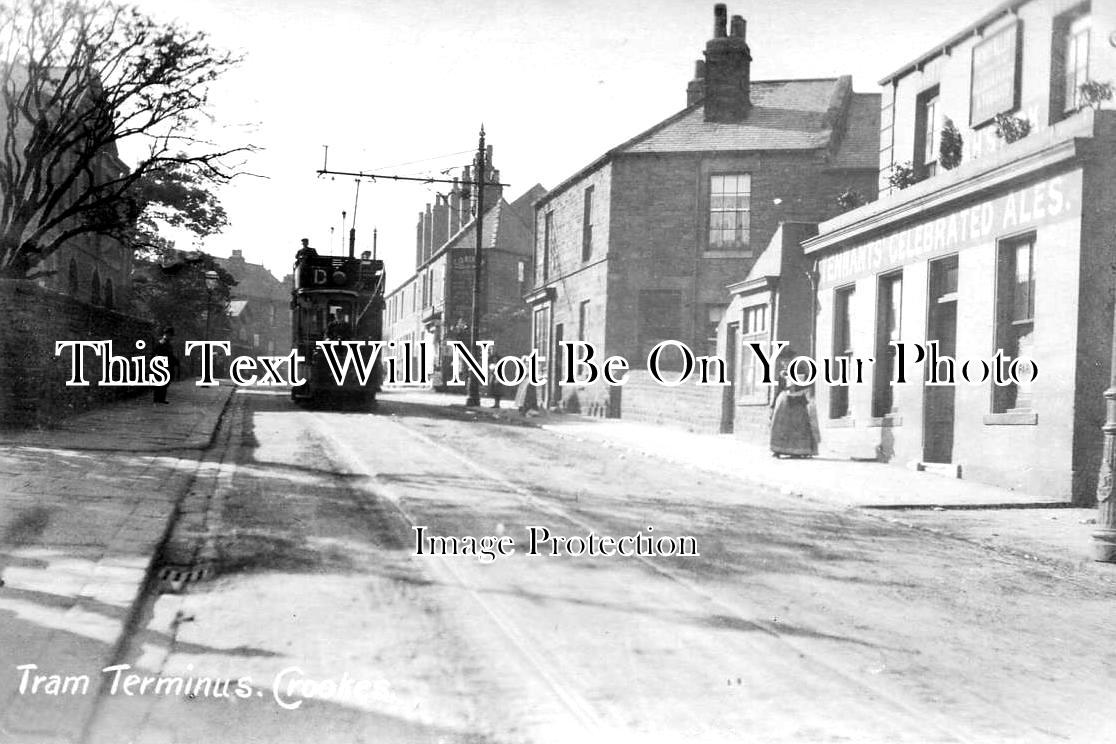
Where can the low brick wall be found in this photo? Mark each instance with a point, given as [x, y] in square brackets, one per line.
[752, 423]
[32, 379]
[692, 407]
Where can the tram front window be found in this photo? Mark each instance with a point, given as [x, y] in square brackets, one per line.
[339, 325]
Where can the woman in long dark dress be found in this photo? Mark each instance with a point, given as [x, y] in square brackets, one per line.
[794, 429]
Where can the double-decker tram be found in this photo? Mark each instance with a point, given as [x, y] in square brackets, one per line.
[337, 299]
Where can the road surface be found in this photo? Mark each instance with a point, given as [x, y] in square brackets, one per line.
[797, 622]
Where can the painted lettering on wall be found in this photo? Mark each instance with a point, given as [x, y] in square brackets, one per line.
[1045, 202]
[995, 75]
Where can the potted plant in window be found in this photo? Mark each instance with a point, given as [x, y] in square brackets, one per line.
[1012, 128]
[1095, 93]
[950, 146]
[902, 175]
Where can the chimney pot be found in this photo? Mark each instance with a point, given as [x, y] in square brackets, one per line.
[720, 20]
[727, 75]
[699, 69]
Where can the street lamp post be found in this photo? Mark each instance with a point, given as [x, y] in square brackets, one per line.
[212, 279]
[1104, 538]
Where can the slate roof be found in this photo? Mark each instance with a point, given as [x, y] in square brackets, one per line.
[499, 232]
[253, 280]
[786, 115]
[770, 262]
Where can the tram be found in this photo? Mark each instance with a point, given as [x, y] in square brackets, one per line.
[341, 299]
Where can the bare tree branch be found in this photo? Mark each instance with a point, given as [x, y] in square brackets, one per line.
[77, 79]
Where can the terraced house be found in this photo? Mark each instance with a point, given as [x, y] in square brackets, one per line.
[434, 304]
[639, 245]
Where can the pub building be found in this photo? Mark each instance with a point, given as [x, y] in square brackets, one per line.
[984, 242]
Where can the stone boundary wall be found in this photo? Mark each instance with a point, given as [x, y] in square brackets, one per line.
[32, 379]
[692, 407]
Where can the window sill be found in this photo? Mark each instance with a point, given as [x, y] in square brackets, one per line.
[845, 422]
[721, 253]
[889, 421]
[1011, 418]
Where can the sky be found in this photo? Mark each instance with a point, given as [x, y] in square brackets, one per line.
[403, 87]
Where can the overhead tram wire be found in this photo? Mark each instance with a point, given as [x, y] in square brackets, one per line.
[424, 160]
[325, 171]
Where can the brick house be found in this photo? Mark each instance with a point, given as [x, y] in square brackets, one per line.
[639, 245]
[259, 309]
[1008, 247]
[435, 303]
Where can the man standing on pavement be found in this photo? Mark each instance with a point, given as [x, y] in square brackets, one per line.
[165, 348]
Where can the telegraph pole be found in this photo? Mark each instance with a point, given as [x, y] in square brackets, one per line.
[352, 229]
[478, 183]
[474, 335]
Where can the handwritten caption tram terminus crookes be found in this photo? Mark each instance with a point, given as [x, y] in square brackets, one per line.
[358, 360]
[289, 688]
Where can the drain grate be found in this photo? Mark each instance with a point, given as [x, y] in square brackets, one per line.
[173, 579]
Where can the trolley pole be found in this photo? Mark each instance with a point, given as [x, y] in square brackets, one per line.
[474, 334]
[1104, 538]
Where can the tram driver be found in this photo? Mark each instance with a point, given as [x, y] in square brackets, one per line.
[338, 327]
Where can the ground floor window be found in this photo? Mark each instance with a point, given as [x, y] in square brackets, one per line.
[842, 348]
[889, 323]
[540, 331]
[1015, 316]
[753, 330]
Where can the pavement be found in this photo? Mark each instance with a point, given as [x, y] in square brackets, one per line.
[86, 507]
[1004, 520]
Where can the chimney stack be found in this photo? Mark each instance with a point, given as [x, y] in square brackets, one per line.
[455, 208]
[468, 190]
[428, 233]
[720, 17]
[441, 223]
[695, 91]
[728, 71]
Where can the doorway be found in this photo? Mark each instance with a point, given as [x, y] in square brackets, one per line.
[938, 401]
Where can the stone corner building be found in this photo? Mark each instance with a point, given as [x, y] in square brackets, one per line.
[1010, 249]
[639, 245]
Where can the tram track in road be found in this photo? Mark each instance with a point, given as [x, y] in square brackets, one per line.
[580, 710]
[935, 725]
